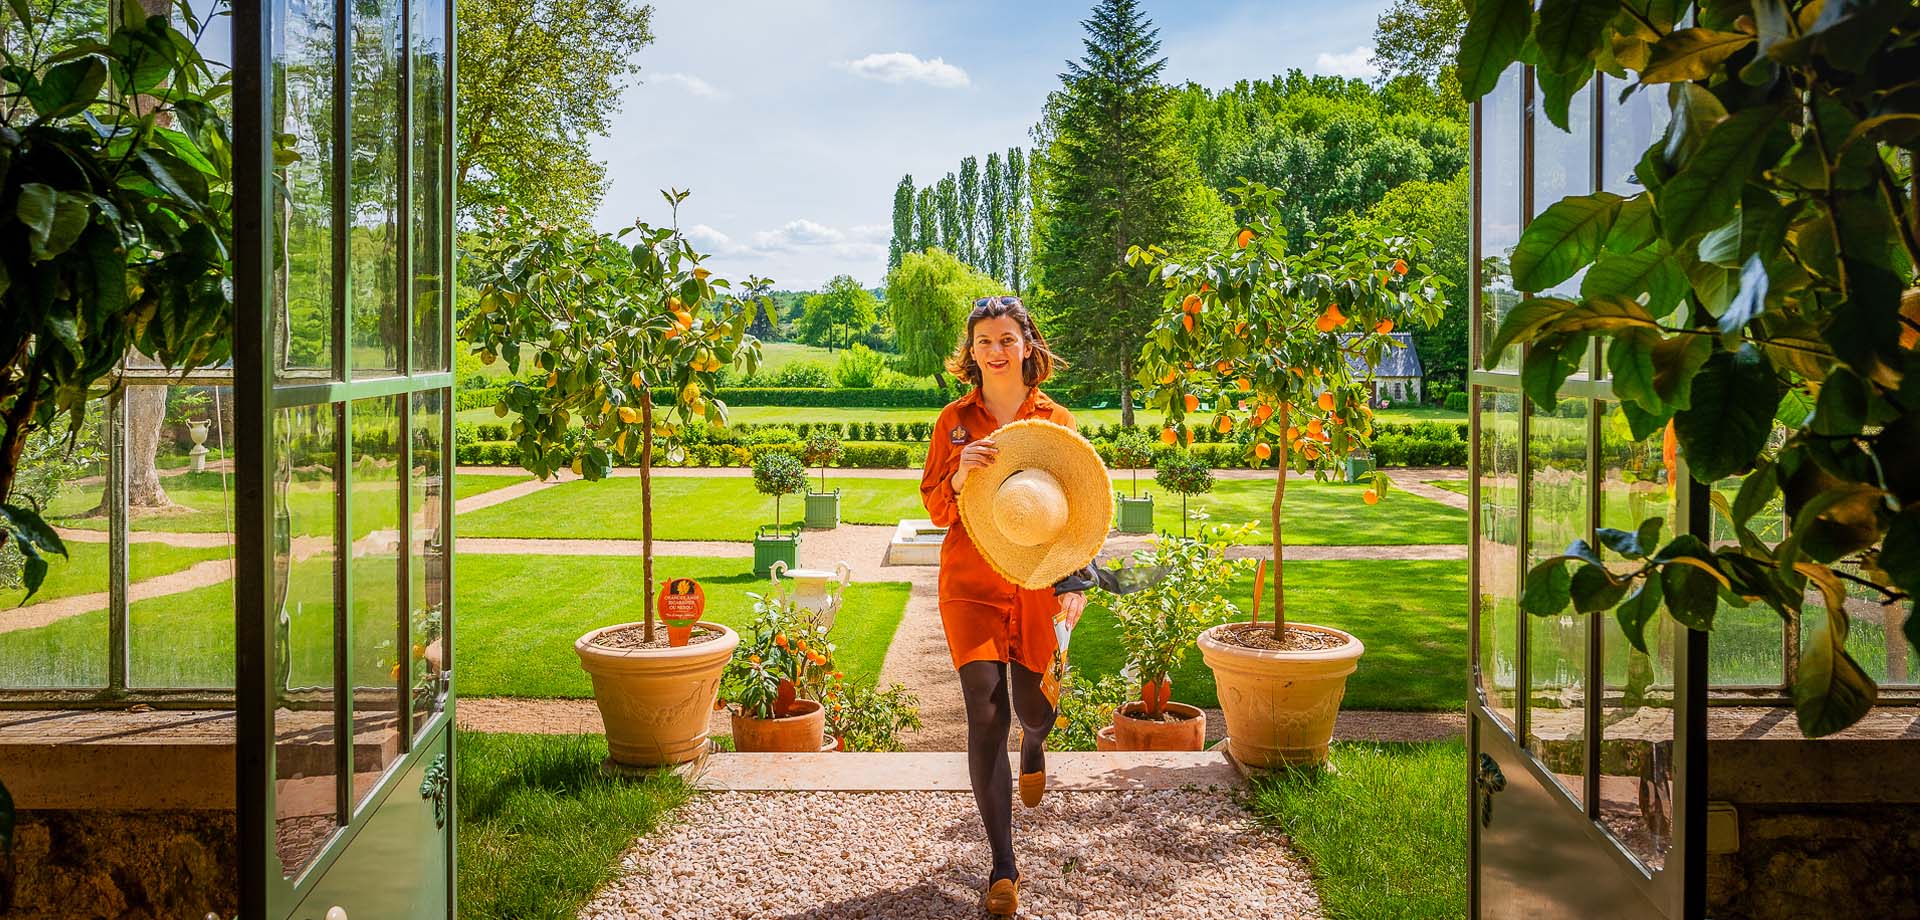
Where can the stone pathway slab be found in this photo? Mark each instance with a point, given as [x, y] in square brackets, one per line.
[1067, 771]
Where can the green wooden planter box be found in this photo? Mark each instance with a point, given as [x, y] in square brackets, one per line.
[770, 546]
[1136, 514]
[823, 510]
[1358, 466]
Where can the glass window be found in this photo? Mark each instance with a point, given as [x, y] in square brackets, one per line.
[379, 632]
[1631, 127]
[306, 479]
[180, 629]
[1557, 505]
[429, 201]
[1562, 167]
[303, 288]
[426, 497]
[57, 639]
[1747, 647]
[1498, 602]
[1498, 175]
[374, 203]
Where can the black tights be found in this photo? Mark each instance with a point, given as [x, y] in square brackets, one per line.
[984, 685]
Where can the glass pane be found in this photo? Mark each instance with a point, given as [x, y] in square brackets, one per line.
[303, 101]
[306, 790]
[180, 629]
[1637, 725]
[426, 490]
[61, 23]
[374, 196]
[214, 37]
[1747, 647]
[429, 202]
[379, 632]
[1562, 166]
[1498, 605]
[1631, 127]
[58, 638]
[1556, 512]
[1500, 206]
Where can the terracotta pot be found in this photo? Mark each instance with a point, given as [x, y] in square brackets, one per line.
[803, 733]
[1177, 734]
[1103, 739]
[1279, 706]
[656, 701]
[832, 743]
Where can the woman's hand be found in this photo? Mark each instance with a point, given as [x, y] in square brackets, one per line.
[1072, 604]
[976, 456]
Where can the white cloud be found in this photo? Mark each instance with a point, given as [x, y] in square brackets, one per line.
[708, 240]
[691, 84]
[901, 67]
[1355, 63]
[794, 234]
[870, 233]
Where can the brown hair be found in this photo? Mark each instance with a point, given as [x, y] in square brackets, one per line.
[1034, 369]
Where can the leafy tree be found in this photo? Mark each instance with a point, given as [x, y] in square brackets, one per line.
[538, 80]
[1131, 451]
[1186, 475]
[1117, 177]
[859, 367]
[1432, 211]
[926, 220]
[778, 473]
[839, 314]
[970, 228]
[994, 201]
[1764, 277]
[1419, 38]
[930, 295]
[1018, 208]
[823, 450]
[903, 239]
[947, 196]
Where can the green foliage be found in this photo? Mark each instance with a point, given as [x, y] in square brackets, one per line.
[1132, 450]
[930, 294]
[1432, 211]
[538, 80]
[859, 368]
[865, 718]
[49, 461]
[839, 315]
[823, 450]
[117, 167]
[902, 240]
[783, 655]
[993, 197]
[1159, 624]
[778, 473]
[1419, 38]
[1087, 705]
[1757, 275]
[1183, 473]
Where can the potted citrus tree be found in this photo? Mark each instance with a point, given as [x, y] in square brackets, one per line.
[776, 473]
[1183, 473]
[1132, 450]
[1258, 325]
[1159, 624]
[775, 680]
[602, 321]
[823, 507]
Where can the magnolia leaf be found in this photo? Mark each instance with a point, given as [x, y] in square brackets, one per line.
[1692, 595]
[1900, 557]
[1548, 588]
[1557, 90]
[1702, 195]
[1563, 238]
[1639, 608]
[1593, 588]
[1633, 227]
[1846, 33]
[1729, 415]
[1830, 691]
[1751, 299]
[1602, 313]
[1548, 363]
[1630, 364]
[1522, 322]
[1570, 31]
[1841, 408]
[68, 88]
[1864, 329]
[1651, 271]
[1840, 522]
[1756, 490]
[1686, 55]
[1675, 360]
[1494, 34]
[1695, 112]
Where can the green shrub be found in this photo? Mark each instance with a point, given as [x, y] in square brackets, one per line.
[805, 374]
[1456, 402]
[877, 456]
[859, 367]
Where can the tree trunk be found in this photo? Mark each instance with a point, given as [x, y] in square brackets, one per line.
[1279, 498]
[940, 381]
[146, 415]
[646, 505]
[1126, 392]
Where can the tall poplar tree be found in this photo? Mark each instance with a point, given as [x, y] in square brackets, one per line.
[1017, 208]
[948, 197]
[903, 239]
[926, 220]
[994, 201]
[969, 211]
[1117, 176]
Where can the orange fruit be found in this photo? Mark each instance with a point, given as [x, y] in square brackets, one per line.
[1192, 304]
[1370, 497]
[1293, 433]
[628, 415]
[553, 378]
[1245, 385]
[1311, 452]
[1239, 328]
[702, 274]
[1338, 420]
[1399, 266]
[637, 380]
[753, 659]
[1168, 376]
[1192, 401]
[1223, 424]
[1331, 319]
[1326, 401]
[1313, 427]
[1384, 326]
[1187, 321]
[1222, 367]
[1189, 436]
[1245, 237]
[1261, 414]
[1262, 451]
[780, 639]
[1167, 436]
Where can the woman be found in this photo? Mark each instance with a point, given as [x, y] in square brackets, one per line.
[1001, 635]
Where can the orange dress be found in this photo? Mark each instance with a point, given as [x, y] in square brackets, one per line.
[986, 617]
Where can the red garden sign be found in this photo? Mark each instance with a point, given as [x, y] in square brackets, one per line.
[680, 604]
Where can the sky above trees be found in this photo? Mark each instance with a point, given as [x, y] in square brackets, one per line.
[793, 122]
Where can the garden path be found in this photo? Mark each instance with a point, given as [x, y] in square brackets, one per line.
[1400, 475]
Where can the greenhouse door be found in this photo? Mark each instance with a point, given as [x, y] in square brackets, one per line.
[1586, 756]
[343, 211]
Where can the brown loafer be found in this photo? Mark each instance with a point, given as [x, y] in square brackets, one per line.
[1003, 897]
[1032, 787]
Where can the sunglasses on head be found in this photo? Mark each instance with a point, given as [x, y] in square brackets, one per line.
[1005, 300]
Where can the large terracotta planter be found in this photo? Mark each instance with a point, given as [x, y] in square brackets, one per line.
[803, 733]
[1279, 706]
[1103, 739]
[656, 701]
[1179, 734]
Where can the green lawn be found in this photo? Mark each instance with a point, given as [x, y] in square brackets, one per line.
[1385, 830]
[1412, 617]
[684, 509]
[204, 502]
[84, 571]
[794, 415]
[519, 616]
[540, 828]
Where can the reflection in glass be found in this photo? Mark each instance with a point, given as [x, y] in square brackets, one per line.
[1636, 722]
[379, 632]
[426, 493]
[303, 110]
[305, 478]
[1747, 647]
[58, 638]
[1497, 605]
[1563, 166]
[1557, 645]
[429, 87]
[1631, 127]
[1500, 206]
[180, 630]
[374, 202]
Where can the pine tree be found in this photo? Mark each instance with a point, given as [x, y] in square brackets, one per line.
[926, 221]
[1117, 176]
[993, 260]
[903, 240]
[969, 211]
[948, 198]
[1016, 204]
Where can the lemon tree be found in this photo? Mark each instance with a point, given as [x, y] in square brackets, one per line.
[610, 319]
[1278, 342]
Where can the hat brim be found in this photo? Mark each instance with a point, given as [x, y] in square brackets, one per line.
[1037, 444]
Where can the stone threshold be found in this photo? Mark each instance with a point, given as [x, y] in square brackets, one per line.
[946, 771]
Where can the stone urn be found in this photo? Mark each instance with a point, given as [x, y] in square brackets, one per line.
[816, 591]
[1279, 705]
[197, 455]
[656, 701]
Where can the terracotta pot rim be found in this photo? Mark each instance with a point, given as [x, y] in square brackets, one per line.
[1351, 650]
[798, 717]
[1189, 711]
[588, 650]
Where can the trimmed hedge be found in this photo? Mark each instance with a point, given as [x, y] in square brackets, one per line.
[1456, 402]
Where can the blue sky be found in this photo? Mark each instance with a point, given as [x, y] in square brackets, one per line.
[792, 121]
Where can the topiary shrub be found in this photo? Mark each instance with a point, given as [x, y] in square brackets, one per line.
[1133, 450]
[1456, 402]
[1186, 473]
[823, 450]
[778, 473]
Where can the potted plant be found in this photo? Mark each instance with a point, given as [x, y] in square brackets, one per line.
[1085, 722]
[776, 473]
[862, 717]
[1277, 328]
[775, 679]
[1160, 623]
[1183, 473]
[823, 507]
[602, 320]
[1132, 450]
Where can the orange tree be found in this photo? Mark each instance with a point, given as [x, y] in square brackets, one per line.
[609, 318]
[1280, 343]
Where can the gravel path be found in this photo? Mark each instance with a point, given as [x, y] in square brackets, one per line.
[1172, 854]
[1397, 474]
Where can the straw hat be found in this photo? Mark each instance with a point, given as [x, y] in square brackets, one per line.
[1042, 510]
